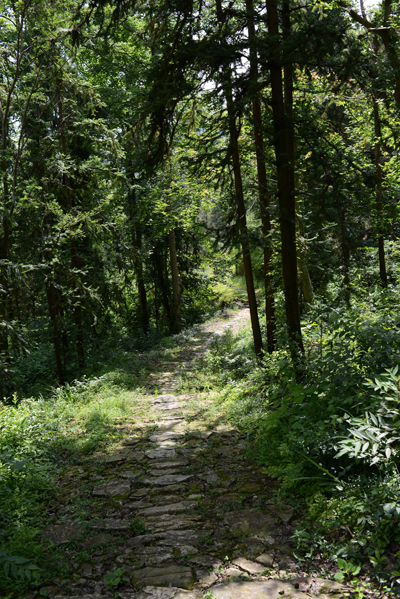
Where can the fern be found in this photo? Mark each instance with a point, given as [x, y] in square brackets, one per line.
[20, 568]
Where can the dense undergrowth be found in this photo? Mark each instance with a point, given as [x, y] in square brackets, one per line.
[332, 441]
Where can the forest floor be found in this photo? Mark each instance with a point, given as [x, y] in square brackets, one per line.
[175, 510]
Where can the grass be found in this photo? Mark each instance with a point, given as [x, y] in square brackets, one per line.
[42, 438]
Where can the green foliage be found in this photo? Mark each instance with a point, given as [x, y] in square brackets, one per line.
[113, 579]
[374, 438]
[348, 571]
[19, 568]
[137, 527]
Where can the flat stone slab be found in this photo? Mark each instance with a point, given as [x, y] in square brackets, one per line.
[165, 471]
[165, 464]
[173, 405]
[168, 479]
[284, 512]
[164, 398]
[166, 436]
[131, 440]
[150, 592]
[154, 454]
[175, 576]
[159, 556]
[112, 488]
[59, 534]
[97, 539]
[248, 566]
[136, 456]
[166, 522]
[112, 524]
[110, 459]
[253, 522]
[170, 538]
[173, 508]
[131, 474]
[275, 589]
[207, 561]
[165, 443]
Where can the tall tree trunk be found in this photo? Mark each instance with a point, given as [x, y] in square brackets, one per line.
[284, 150]
[137, 258]
[176, 315]
[140, 283]
[345, 248]
[378, 203]
[304, 275]
[244, 238]
[262, 181]
[74, 257]
[53, 311]
[161, 280]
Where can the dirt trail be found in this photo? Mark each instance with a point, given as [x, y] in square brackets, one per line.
[177, 511]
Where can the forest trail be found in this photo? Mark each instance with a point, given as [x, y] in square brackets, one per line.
[176, 511]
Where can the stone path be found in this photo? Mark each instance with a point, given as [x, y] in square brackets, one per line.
[176, 511]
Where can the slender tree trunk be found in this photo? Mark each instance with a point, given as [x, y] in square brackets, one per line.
[345, 247]
[304, 275]
[140, 282]
[74, 257]
[53, 311]
[284, 150]
[162, 283]
[176, 315]
[137, 259]
[4, 251]
[378, 203]
[262, 181]
[234, 149]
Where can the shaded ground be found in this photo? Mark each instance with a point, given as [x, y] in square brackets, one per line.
[176, 510]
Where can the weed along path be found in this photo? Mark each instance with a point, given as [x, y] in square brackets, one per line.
[175, 511]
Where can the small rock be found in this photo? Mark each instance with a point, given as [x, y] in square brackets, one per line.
[232, 572]
[205, 578]
[87, 570]
[211, 478]
[266, 560]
